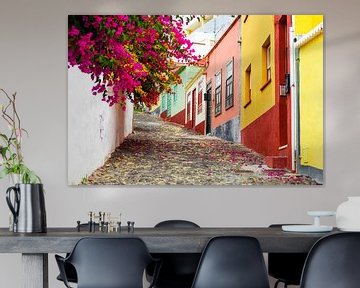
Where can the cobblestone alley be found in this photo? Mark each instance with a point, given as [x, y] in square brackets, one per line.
[159, 153]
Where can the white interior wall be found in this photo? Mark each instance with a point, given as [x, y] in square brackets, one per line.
[33, 62]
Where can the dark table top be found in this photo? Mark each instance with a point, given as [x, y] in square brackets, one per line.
[158, 240]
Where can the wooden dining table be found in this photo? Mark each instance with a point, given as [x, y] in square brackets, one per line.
[35, 247]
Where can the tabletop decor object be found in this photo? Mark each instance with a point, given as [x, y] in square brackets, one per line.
[315, 227]
[26, 203]
[28, 208]
[348, 214]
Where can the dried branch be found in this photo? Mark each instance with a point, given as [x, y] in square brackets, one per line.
[10, 152]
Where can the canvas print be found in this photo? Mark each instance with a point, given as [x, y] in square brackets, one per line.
[195, 100]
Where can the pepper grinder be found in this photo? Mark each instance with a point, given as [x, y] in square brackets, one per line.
[100, 221]
[78, 226]
[90, 221]
[130, 226]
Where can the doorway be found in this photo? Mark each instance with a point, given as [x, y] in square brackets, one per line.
[208, 107]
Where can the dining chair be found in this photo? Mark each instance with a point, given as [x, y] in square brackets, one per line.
[70, 271]
[333, 262]
[178, 269]
[285, 267]
[108, 263]
[231, 262]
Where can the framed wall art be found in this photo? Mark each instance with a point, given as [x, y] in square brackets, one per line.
[195, 100]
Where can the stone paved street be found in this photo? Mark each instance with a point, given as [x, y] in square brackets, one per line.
[159, 153]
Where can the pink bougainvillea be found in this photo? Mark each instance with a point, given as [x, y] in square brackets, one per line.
[132, 54]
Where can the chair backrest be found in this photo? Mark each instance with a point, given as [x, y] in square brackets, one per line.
[286, 267]
[110, 262]
[178, 269]
[232, 262]
[176, 224]
[333, 262]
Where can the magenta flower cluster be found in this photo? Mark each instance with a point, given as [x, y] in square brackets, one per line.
[131, 54]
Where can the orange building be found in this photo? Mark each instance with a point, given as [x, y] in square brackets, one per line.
[223, 85]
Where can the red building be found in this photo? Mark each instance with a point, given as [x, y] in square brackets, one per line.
[266, 94]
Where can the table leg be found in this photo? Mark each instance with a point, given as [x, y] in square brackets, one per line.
[35, 270]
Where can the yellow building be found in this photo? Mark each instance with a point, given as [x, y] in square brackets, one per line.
[257, 89]
[265, 108]
[309, 52]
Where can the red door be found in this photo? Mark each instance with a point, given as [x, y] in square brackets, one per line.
[284, 91]
[283, 113]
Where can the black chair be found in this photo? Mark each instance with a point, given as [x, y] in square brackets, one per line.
[232, 262]
[286, 267]
[178, 269]
[69, 269]
[108, 263]
[176, 224]
[333, 262]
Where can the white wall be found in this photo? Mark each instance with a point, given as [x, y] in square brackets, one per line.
[33, 62]
[94, 128]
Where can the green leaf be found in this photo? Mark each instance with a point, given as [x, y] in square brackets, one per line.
[28, 176]
[5, 138]
[13, 156]
[3, 151]
[4, 172]
[33, 178]
[26, 132]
